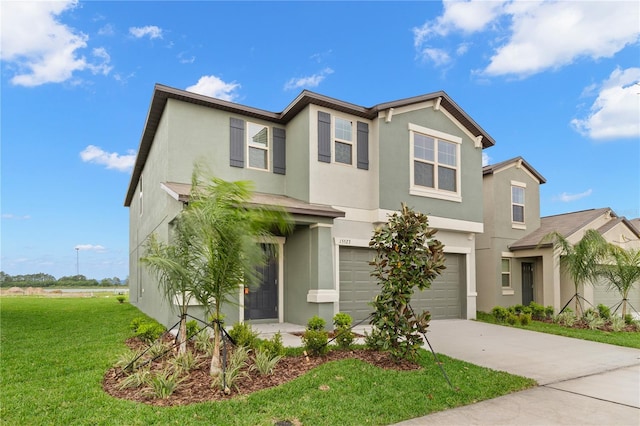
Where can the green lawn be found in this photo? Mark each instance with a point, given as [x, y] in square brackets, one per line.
[619, 338]
[54, 352]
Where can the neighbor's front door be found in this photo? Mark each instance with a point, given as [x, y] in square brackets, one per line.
[527, 283]
[262, 302]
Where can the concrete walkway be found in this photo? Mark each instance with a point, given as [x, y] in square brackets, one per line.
[581, 382]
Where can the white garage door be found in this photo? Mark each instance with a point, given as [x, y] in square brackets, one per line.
[612, 298]
[444, 299]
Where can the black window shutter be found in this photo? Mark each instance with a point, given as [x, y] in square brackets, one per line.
[363, 145]
[324, 137]
[279, 151]
[236, 143]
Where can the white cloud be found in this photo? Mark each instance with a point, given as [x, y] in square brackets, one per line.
[39, 48]
[534, 36]
[438, 56]
[310, 81]
[113, 160]
[89, 247]
[107, 30]
[10, 216]
[151, 31]
[616, 111]
[485, 159]
[567, 198]
[210, 85]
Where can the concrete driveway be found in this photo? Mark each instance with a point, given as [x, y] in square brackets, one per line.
[581, 382]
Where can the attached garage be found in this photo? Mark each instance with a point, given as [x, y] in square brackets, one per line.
[444, 299]
[612, 298]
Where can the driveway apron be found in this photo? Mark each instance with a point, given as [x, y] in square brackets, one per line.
[581, 382]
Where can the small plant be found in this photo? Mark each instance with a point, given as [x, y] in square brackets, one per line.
[138, 378]
[121, 298]
[237, 368]
[164, 383]
[184, 362]
[548, 312]
[243, 335]
[147, 330]
[265, 362]
[342, 319]
[136, 322]
[617, 323]
[604, 311]
[273, 346]
[628, 319]
[567, 318]
[316, 323]
[373, 340]
[204, 343]
[524, 319]
[500, 313]
[157, 349]
[129, 360]
[315, 341]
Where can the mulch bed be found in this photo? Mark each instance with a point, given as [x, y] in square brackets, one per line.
[197, 387]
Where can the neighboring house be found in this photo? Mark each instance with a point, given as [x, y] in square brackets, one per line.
[340, 169]
[515, 266]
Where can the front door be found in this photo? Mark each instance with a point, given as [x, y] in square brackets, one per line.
[261, 302]
[527, 283]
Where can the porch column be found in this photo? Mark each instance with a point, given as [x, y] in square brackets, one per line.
[322, 290]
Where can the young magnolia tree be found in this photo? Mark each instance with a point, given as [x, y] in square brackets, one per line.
[226, 231]
[581, 260]
[408, 257]
[172, 264]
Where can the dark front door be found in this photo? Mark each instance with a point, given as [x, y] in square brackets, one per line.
[261, 302]
[527, 283]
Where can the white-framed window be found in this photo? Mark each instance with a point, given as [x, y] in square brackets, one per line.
[435, 163]
[342, 140]
[506, 272]
[517, 203]
[257, 146]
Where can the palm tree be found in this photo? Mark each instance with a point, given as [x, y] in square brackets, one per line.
[226, 232]
[623, 272]
[172, 264]
[582, 260]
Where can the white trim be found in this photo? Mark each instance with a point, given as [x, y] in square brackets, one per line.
[506, 291]
[518, 225]
[350, 242]
[435, 133]
[266, 148]
[323, 296]
[320, 225]
[516, 183]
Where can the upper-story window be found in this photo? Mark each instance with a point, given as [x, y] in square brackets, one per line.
[435, 163]
[517, 203]
[258, 146]
[343, 140]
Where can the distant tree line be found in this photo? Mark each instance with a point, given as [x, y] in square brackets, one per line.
[46, 280]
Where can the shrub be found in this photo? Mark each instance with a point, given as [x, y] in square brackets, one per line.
[500, 313]
[136, 322]
[344, 337]
[628, 319]
[316, 323]
[548, 311]
[272, 346]
[512, 318]
[192, 328]
[121, 299]
[149, 331]
[315, 341]
[604, 311]
[617, 323]
[265, 361]
[342, 319]
[524, 319]
[537, 311]
[373, 341]
[243, 335]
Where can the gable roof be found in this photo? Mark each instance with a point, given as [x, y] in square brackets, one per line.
[162, 93]
[517, 161]
[565, 224]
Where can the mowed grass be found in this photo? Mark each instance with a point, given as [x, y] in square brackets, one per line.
[618, 338]
[54, 353]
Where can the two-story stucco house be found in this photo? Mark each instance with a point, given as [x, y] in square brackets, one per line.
[515, 265]
[339, 169]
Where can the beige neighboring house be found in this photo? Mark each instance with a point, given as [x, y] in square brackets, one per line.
[513, 267]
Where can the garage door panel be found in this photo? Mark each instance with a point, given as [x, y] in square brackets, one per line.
[357, 288]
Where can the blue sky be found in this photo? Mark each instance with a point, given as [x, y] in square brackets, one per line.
[554, 82]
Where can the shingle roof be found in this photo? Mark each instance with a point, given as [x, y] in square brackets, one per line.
[565, 224]
[162, 93]
[492, 168]
[181, 191]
